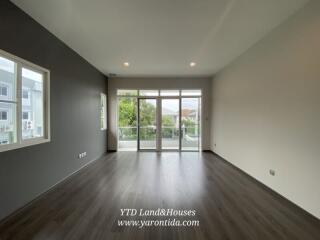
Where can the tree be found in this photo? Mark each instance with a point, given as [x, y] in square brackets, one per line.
[167, 121]
[168, 127]
[147, 114]
[127, 112]
[128, 118]
[189, 125]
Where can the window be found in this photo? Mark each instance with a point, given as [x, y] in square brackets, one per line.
[26, 106]
[25, 115]
[3, 115]
[25, 94]
[162, 119]
[127, 92]
[4, 91]
[169, 93]
[191, 93]
[103, 117]
[150, 93]
[34, 81]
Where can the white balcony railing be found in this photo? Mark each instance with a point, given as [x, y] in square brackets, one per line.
[148, 133]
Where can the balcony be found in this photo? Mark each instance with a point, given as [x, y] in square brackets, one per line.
[170, 138]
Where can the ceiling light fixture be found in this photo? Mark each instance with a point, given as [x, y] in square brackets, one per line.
[193, 64]
[126, 64]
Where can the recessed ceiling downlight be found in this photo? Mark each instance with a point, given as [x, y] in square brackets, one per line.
[193, 64]
[126, 64]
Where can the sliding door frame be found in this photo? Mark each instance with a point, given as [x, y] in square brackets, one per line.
[158, 99]
[139, 98]
[160, 121]
[199, 122]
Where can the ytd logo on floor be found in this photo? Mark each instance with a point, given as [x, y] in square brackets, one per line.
[158, 217]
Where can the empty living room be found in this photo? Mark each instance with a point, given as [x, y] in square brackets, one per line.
[160, 119]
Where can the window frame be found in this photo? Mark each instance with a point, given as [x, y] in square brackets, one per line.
[163, 91]
[20, 142]
[28, 114]
[183, 94]
[103, 99]
[129, 91]
[4, 86]
[27, 91]
[4, 111]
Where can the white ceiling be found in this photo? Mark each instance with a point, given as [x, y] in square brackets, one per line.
[160, 37]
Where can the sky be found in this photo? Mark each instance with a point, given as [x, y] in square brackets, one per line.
[9, 66]
[189, 103]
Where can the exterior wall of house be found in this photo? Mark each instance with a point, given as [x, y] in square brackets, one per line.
[7, 122]
[32, 123]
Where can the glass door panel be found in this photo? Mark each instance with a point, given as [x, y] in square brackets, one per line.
[147, 124]
[190, 124]
[170, 124]
[127, 123]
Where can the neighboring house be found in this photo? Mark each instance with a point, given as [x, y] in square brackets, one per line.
[172, 114]
[189, 114]
[32, 93]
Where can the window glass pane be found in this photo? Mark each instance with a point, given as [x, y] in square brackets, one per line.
[7, 123]
[169, 93]
[190, 123]
[123, 92]
[149, 93]
[148, 123]
[191, 93]
[32, 102]
[103, 111]
[170, 124]
[25, 94]
[25, 115]
[7, 80]
[127, 123]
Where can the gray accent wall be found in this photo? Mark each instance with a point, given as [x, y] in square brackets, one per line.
[75, 114]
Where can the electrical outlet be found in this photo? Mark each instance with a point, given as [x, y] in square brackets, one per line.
[82, 155]
[272, 172]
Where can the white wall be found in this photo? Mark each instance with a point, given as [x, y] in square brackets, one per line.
[158, 83]
[266, 110]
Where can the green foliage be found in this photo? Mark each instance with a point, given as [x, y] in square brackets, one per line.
[188, 123]
[127, 112]
[190, 126]
[168, 127]
[128, 118]
[147, 120]
[167, 121]
[147, 114]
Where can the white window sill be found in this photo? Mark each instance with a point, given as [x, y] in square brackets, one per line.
[26, 143]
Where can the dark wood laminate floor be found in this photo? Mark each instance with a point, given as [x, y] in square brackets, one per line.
[228, 204]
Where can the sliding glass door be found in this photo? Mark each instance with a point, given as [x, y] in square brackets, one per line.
[190, 123]
[159, 120]
[170, 124]
[127, 123]
[147, 124]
